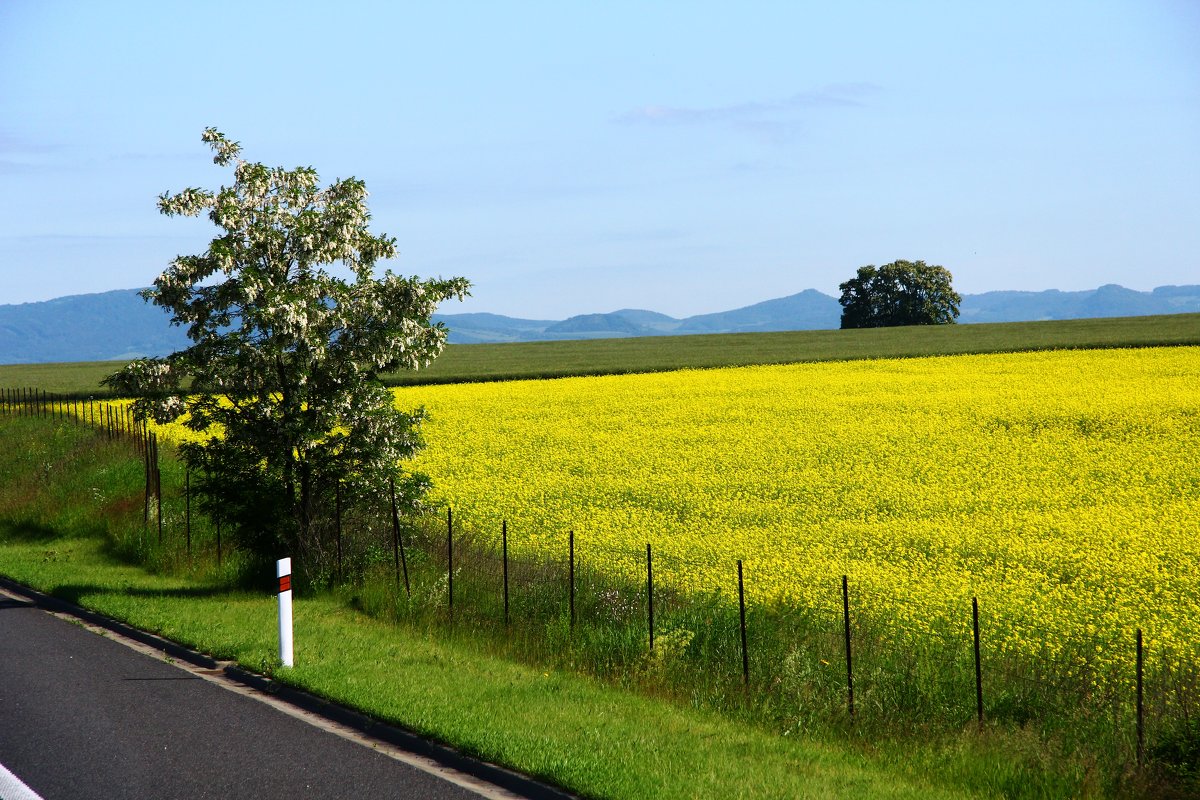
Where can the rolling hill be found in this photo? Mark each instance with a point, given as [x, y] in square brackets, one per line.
[120, 325]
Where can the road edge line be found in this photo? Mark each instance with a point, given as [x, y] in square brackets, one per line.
[491, 781]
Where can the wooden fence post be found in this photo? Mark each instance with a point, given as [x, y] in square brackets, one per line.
[146, 464]
[158, 488]
[978, 662]
[849, 662]
[504, 559]
[397, 542]
[650, 592]
[337, 517]
[187, 500]
[1141, 715]
[158, 500]
[571, 574]
[742, 614]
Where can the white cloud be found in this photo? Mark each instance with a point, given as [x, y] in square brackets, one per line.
[757, 114]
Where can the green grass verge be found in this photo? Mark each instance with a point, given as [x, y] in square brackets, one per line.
[70, 505]
[489, 362]
[595, 740]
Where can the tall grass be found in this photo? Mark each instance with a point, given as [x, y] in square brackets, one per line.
[797, 679]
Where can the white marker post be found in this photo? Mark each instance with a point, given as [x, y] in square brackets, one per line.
[283, 570]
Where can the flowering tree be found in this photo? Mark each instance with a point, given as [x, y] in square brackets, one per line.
[286, 356]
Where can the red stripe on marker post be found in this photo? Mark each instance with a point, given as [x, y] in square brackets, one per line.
[285, 583]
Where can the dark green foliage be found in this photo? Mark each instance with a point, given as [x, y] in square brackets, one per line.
[285, 355]
[899, 293]
[1178, 753]
[232, 484]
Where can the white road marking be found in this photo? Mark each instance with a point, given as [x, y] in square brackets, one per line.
[11, 787]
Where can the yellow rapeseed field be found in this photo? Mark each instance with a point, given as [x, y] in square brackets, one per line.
[1061, 488]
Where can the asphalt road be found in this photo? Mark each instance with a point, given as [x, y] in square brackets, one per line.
[82, 716]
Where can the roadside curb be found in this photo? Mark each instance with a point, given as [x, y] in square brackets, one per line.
[400, 738]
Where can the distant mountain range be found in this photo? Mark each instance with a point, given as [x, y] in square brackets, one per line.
[120, 325]
[812, 310]
[809, 310]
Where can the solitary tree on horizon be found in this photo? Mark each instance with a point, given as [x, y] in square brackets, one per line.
[899, 293]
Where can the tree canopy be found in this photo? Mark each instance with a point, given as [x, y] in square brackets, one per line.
[899, 293]
[281, 381]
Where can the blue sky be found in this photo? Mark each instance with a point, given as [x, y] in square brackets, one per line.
[583, 157]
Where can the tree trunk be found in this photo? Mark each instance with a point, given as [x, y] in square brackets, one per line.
[306, 502]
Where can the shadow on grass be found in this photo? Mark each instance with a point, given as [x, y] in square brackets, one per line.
[74, 593]
[28, 530]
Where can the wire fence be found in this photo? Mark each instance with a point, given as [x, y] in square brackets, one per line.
[617, 610]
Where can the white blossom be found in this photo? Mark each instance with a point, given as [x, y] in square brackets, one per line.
[284, 352]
